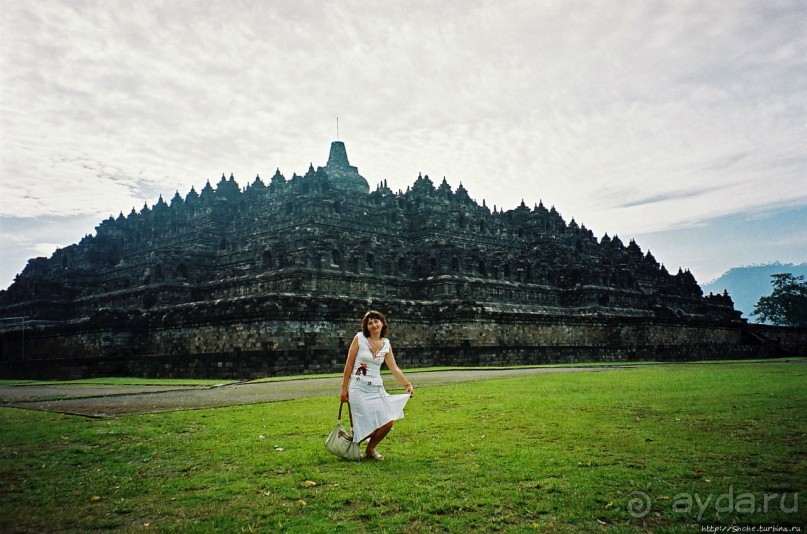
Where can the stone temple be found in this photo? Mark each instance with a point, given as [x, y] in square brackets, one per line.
[273, 279]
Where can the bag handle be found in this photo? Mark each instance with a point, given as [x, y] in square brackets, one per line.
[350, 414]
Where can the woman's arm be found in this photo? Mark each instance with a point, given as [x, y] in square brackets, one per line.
[396, 372]
[351, 360]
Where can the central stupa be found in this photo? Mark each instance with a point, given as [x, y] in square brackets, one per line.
[341, 173]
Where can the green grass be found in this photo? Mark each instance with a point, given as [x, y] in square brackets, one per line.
[564, 452]
[134, 381]
[538, 366]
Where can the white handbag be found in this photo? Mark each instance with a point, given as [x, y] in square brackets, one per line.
[340, 442]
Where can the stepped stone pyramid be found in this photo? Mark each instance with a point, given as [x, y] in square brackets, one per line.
[246, 280]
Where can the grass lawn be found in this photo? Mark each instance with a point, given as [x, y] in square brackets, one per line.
[667, 447]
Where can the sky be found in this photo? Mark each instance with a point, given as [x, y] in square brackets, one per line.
[680, 124]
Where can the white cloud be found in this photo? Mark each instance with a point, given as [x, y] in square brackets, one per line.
[45, 249]
[631, 117]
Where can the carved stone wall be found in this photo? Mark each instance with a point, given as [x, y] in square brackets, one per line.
[250, 337]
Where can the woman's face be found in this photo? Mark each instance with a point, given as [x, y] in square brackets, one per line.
[374, 325]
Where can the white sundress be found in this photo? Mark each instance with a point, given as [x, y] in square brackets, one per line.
[372, 407]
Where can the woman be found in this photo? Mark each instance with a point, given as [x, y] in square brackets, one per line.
[372, 408]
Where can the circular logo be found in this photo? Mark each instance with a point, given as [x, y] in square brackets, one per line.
[639, 505]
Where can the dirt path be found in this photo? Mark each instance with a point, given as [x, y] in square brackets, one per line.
[110, 401]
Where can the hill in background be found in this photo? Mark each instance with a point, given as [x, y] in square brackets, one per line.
[747, 284]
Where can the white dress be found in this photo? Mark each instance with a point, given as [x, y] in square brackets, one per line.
[372, 407]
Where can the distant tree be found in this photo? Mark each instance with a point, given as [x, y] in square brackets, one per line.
[787, 304]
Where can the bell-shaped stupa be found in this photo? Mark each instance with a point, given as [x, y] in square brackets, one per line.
[341, 173]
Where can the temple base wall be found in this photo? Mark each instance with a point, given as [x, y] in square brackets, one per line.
[290, 335]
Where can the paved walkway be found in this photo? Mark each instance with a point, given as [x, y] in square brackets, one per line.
[108, 401]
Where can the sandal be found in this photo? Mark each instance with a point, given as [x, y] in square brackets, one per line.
[375, 455]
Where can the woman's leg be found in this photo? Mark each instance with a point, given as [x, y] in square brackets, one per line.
[376, 437]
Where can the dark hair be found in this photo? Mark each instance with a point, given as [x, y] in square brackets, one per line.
[372, 314]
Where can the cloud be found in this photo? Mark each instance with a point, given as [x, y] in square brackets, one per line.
[667, 196]
[631, 117]
[45, 249]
